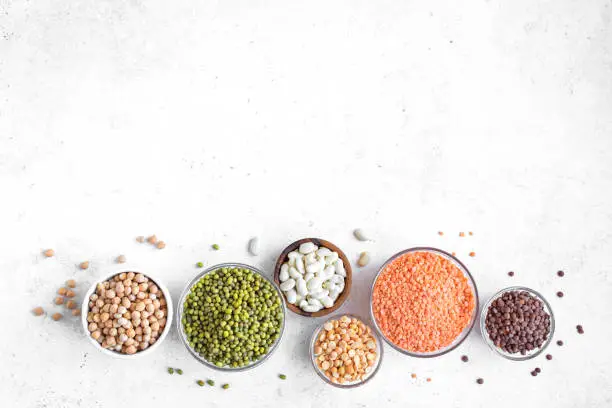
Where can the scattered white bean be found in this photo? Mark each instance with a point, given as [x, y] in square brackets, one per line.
[360, 235]
[291, 296]
[364, 259]
[254, 246]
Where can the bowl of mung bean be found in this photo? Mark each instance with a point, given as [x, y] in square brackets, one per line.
[231, 317]
[127, 314]
[345, 351]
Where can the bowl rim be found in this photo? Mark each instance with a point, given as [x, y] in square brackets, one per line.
[179, 312]
[492, 346]
[379, 347]
[466, 331]
[162, 336]
[348, 281]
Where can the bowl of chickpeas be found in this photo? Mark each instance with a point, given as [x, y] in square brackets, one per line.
[127, 314]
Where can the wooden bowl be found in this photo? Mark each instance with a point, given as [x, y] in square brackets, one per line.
[347, 281]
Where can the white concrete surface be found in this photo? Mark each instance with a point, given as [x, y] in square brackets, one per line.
[212, 122]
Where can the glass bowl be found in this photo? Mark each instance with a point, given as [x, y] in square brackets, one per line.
[183, 336]
[379, 353]
[466, 331]
[516, 356]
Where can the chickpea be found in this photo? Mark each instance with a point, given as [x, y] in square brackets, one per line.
[70, 304]
[112, 332]
[96, 334]
[141, 295]
[152, 239]
[140, 239]
[71, 283]
[161, 245]
[59, 300]
[110, 294]
[76, 312]
[108, 323]
[38, 311]
[130, 350]
[150, 308]
[62, 291]
[92, 327]
[113, 309]
[130, 333]
[140, 306]
[106, 308]
[121, 259]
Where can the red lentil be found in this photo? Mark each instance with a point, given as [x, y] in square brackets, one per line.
[422, 302]
[472, 254]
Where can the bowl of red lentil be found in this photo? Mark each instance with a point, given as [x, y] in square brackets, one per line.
[345, 351]
[137, 320]
[424, 302]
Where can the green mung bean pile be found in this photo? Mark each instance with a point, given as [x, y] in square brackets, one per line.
[232, 316]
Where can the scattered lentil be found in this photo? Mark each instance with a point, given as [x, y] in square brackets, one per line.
[200, 265]
[56, 316]
[210, 382]
[559, 342]
[200, 383]
[560, 294]
[538, 370]
[471, 233]
[480, 381]
[412, 298]
[282, 376]
[170, 370]
[560, 274]
[580, 329]
[549, 357]
[413, 375]
[49, 253]
[216, 247]
[84, 265]
[511, 273]
[465, 359]
[428, 379]
[534, 373]
[225, 386]
[38, 311]
[345, 350]
[440, 233]
[179, 371]
[472, 254]
[232, 317]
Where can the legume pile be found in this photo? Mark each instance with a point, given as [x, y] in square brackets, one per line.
[345, 350]
[232, 317]
[422, 302]
[127, 313]
[516, 322]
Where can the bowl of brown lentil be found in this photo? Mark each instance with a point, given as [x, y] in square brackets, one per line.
[527, 320]
[345, 351]
[127, 314]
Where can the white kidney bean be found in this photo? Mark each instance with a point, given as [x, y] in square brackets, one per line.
[328, 272]
[314, 285]
[330, 259]
[284, 273]
[360, 235]
[311, 258]
[320, 295]
[323, 252]
[291, 296]
[299, 265]
[309, 276]
[307, 247]
[294, 273]
[301, 287]
[310, 308]
[313, 268]
[303, 303]
[327, 301]
[254, 246]
[364, 259]
[288, 284]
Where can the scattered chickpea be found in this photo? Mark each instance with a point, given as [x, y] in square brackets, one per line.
[121, 259]
[140, 239]
[440, 233]
[38, 311]
[462, 234]
[472, 254]
[413, 375]
[76, 312]
[71, 304]
[70, 293]
[84, 265]
[59, 300]
[471, 233]
[62, 291]
[152, 239]
[71, 283]
[161, 245]
[56, 316]
[49, 253]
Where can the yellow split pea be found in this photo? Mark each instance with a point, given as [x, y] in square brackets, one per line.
[345, 350]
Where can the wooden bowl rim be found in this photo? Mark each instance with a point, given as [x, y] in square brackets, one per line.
[347, 281]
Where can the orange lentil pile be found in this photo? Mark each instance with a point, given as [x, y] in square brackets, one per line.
[422, 302]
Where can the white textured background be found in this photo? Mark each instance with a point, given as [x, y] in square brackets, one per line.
[214, 121]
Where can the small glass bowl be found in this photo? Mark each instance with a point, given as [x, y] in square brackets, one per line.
[516, 356]
[379, 353]
[466, 331]
[183, 336]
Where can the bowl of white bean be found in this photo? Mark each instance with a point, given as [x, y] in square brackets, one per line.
[315, 277]
[127, 314]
